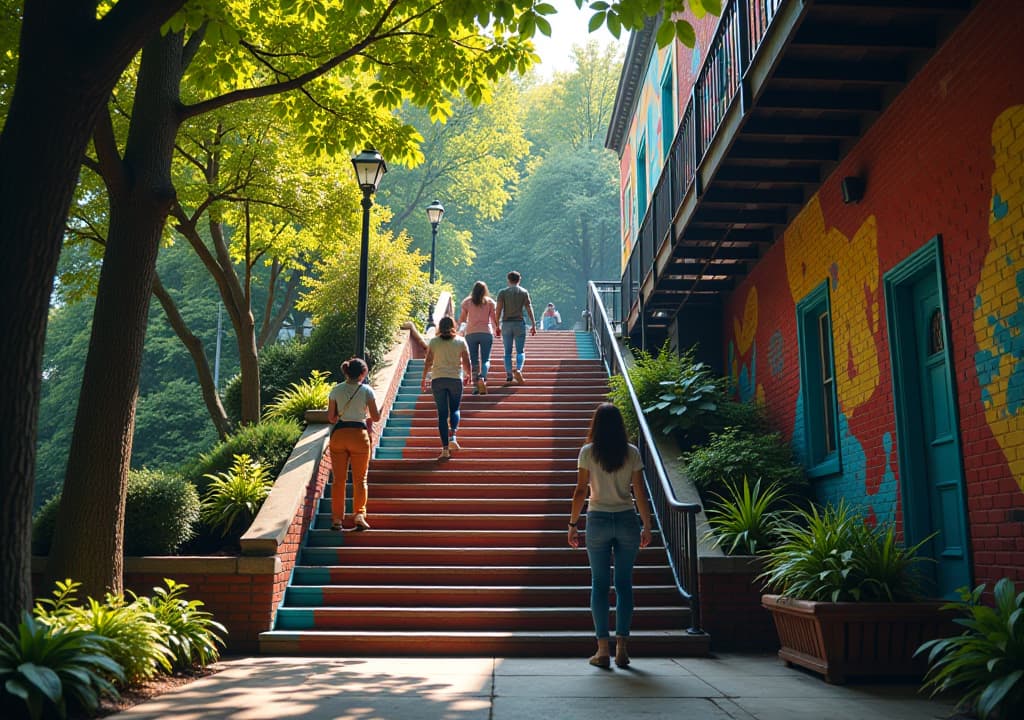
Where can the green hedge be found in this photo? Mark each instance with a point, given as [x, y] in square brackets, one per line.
[270, 442]
[160, 511]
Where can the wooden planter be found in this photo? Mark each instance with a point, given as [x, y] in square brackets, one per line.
[842, 640]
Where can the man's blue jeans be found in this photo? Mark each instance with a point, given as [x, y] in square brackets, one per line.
[514, 330]
[608, 533]
[480, 353]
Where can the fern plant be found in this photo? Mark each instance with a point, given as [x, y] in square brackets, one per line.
[193, 637]
[748, 521]
[44, 669]
[985, 663]
[309, 394]
[234, 497]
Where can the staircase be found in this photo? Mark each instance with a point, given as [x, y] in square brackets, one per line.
[469, 556]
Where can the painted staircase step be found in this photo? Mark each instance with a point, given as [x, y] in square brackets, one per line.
[498, 643]
[446, 536]
[513, 466]
[398, 492]
[426, 618]
[478, 518]
[417, 575]
[446, 596]
[457, 507]
[456, 556]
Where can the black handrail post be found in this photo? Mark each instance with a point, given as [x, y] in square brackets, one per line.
[746, 55]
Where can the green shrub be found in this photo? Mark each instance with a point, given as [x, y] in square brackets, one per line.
[309, 394]
[270, 442]
[731, 455]
[44, 669]
[280, 366]
[746, 416]
[235, 496]
[686, 402]
[986, 663]
[834, 556]
[192, 635]
[160, 511]
[159, 515]
[648, 372]
[747, 521]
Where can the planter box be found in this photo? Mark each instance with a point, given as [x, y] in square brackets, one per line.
[842, 640]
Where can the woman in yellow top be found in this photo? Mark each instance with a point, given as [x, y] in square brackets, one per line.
[448, 364]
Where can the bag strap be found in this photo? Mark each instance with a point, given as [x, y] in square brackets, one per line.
[348, 402]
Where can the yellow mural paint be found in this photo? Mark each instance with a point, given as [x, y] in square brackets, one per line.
[746, 331]
[815, 253]
[999, 296]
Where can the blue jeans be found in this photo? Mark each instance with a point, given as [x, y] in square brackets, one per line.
[608, 532]
[447, 396]
[480, 344]
[514, 330]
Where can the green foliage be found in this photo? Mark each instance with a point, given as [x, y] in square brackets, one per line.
[834, 556]
[192, 635]
[733, 454]
[309, 394]
[234, 497]
[279, 366]
[685, 402]
[648, 372]
[160, 511]
[985, 664]
[172, 424]
[747, 521]
[746, 416]
[44, 669]
[270, 442]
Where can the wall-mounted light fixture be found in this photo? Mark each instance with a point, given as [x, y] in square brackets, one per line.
[852, 188]
[660, 315]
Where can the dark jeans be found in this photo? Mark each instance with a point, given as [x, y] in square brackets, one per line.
[447, 396]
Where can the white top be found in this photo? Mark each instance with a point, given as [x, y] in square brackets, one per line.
[610, 491]
[447, 357]
[353, 410]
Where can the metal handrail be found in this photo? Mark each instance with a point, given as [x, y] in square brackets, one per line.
[677, 520]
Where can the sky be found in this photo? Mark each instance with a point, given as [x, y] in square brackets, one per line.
[568, 28]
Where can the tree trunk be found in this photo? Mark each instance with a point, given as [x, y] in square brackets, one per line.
[88, 541]
[195, 348]
[272, 322]
[66, 70]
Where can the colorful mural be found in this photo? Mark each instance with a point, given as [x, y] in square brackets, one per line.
[999, 296]
[743, 354]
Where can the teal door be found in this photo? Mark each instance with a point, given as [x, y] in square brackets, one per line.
[927, 431]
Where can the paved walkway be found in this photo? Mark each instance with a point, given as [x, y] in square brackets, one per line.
[727, 687]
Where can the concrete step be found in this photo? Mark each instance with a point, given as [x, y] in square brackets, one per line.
[459, 575]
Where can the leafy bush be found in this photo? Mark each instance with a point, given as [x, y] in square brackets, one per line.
[748, 521]
[309, 394]
[985, 663]
[833, 556]
[685, 402]
[731, 455]
[160, 510]
[648, 372]
[746, 416]
[235, 496]
[43, 667]
[280, 366]
[192, 634]
[270, 441]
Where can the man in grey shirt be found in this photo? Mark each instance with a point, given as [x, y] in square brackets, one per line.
[512, 302]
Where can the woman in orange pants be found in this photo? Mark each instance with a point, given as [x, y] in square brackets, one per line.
[350, 402]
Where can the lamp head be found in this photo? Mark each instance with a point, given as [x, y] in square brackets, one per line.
[435, 211]
[370, 168]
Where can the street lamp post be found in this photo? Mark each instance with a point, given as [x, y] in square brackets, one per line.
[370, 168]
[435, 211]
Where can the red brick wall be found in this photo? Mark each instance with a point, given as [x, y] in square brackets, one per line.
[946, 158]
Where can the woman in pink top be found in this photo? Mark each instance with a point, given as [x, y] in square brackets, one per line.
[478, 314]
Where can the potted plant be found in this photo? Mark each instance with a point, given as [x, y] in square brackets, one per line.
[848, 601]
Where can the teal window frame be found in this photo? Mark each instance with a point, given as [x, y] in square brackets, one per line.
[641, 181]
[817, 380]
[668, 115]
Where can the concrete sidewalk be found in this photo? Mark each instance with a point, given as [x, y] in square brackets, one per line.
[728, 686]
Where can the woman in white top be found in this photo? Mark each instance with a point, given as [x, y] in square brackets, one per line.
[613, 471]
[478, 314]
[349, 404]
[448, 364]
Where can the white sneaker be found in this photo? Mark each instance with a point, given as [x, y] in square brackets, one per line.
[453, 444]
[444, 454]
[518, 375]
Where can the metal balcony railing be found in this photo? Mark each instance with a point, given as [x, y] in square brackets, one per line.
[741, 29]
[677, 520]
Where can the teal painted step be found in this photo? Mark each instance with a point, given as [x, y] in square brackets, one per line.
[586, 348]
[399, 424]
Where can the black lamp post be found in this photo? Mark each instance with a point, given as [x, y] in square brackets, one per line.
[370, 168]
[435, 211]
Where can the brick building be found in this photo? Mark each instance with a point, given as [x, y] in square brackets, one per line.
[828, 196]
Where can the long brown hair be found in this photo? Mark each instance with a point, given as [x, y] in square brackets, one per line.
[608, 434]
[479, 292]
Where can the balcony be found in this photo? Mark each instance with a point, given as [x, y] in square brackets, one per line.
[787, 88]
